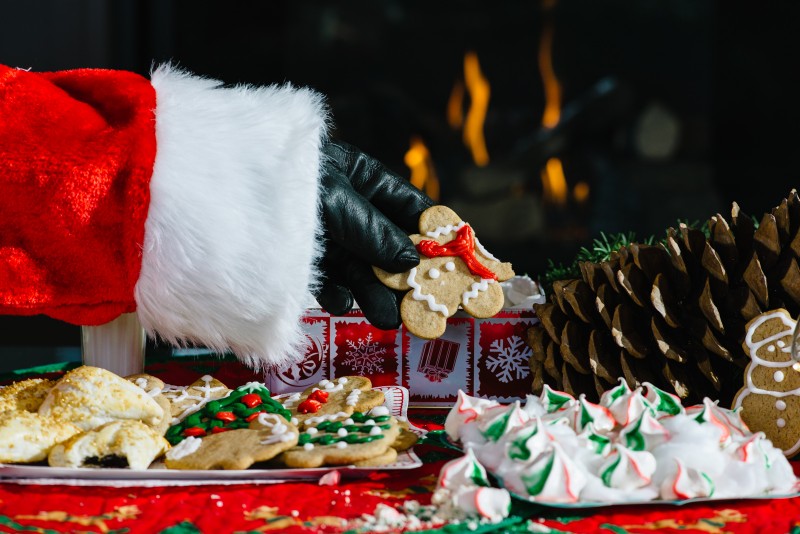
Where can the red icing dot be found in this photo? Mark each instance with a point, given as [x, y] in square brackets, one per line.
[228, 417]
[218, 429]
[309, 406]
[194, 431]
[251, 400]
[319, 396]
[253, 416]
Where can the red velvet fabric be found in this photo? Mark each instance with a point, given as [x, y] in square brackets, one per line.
[76, 155]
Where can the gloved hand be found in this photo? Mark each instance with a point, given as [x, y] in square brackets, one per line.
[368, 212]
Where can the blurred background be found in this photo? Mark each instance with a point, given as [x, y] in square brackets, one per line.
[542, 123]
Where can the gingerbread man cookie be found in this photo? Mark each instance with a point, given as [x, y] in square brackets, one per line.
[770, 398]
[454, 270]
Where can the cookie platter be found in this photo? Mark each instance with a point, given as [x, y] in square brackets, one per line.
[92, 427]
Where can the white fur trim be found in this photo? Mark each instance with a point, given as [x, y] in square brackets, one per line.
[232, 232]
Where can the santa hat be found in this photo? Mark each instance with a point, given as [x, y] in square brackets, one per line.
[191, 203]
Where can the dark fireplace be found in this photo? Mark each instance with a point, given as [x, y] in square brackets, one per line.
[541, 123]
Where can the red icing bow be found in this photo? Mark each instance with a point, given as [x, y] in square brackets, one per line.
[463, 246]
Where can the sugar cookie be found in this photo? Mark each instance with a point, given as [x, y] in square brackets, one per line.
[268, 436]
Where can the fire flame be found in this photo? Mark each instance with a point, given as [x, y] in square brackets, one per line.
[554, 184]
[479, 92]
[423, 174]
[552, 87]
[455, 106]
[580, 192]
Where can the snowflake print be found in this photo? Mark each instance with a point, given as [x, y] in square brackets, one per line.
[364, 356]
[507, 360]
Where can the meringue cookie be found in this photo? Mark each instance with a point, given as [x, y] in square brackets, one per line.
[627, 469]
[467, 409]
[686, 483]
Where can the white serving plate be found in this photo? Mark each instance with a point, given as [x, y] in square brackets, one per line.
[158, 475]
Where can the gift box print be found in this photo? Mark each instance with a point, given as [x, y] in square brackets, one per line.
[358, 348]
[485, 357]
[436, 369]
[503, 370]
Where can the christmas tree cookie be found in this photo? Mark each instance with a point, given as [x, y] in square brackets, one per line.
[234, 412]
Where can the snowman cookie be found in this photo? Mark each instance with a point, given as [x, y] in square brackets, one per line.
[770, 398]
[454, 270]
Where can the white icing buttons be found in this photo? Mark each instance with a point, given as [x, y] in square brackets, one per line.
[780, 405]
[778, 376]
[780, 422]
[771, 348]
[434, 273]
[450, 266]
[780, 343]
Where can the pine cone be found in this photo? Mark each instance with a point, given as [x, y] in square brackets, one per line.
[672, 314]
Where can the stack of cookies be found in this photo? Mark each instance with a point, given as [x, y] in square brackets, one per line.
[94, 418]
[340, 422]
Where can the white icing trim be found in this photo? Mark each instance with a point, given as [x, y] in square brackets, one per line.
[761, 320]
[188, 446]
[476, 287]
[441, 230]
[419, 295]
[483, 250]
[321, 418]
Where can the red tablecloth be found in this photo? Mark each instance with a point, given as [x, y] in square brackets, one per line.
[310, 507]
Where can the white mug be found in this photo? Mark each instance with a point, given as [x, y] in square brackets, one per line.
[117, 346]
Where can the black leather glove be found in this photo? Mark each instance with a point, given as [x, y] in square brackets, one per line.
[368, 212]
